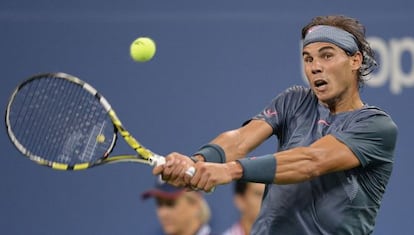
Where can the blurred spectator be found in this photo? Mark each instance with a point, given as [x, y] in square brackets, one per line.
[179, 211]
[247, 199]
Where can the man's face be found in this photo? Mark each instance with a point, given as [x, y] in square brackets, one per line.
[332, 74]
[176, 214]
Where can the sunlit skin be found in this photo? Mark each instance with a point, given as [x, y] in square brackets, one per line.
[332, 75]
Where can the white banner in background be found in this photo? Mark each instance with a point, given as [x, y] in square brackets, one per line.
[390, 55]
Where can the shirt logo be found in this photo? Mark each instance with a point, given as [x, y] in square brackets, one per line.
[323, 122]
[270, 113]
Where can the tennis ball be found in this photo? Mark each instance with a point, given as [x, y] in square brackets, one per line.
[142, 49]
[100, 138]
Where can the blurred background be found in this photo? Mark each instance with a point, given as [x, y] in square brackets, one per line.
[218, 63]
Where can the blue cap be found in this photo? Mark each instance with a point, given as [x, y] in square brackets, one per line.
[163, 190]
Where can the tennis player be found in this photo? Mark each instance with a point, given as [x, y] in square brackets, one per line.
[335, 151]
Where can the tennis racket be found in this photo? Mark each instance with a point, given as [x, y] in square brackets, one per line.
[60, 121]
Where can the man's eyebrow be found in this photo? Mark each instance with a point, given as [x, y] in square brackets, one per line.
[326, 48]
[320, 50]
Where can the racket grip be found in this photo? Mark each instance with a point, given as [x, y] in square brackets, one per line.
[190, 171]
[156, 160]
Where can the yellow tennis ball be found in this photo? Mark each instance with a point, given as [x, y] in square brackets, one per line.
[100, 138]
[142, 49]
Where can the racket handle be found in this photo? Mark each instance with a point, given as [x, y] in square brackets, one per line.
[190, 171]
[156, 160]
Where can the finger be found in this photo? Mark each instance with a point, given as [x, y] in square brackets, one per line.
[203, 179]
[194, 181]
[176, 183]
[210, 185]
[202, 183]
[188, 174]
[177, 170]
[168, 169]
[157, 170]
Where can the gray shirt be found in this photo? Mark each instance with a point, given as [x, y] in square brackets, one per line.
[344, 202]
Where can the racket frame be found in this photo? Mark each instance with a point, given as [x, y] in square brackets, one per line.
[144, 155]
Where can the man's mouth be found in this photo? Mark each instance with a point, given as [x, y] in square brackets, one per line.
[319, 83]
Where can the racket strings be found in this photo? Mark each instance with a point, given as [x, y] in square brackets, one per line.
[25, 117]
[43, 111]
[42, 119]
[60, 121]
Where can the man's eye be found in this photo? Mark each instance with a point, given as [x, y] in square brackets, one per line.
[307, 59]
[327, 56]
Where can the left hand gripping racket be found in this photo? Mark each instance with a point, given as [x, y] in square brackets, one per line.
[62, 122]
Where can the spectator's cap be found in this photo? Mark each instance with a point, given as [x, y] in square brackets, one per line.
[163, 190]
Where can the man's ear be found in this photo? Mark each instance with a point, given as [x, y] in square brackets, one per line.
[356, 61]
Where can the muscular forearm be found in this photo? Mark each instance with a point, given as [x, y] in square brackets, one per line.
[286, 167]
[304, 163]
[232, 144]
[237, 143]
[226, 147]
[296, 165]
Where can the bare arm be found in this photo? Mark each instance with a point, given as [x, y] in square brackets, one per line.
[304, 163]
[239, 142]
[293, 166]
[235, 143]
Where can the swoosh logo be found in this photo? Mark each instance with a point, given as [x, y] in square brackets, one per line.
[323, 122]
[269, 113]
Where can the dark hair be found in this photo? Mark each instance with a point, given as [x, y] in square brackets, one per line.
[354, 27]
[240, 187]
